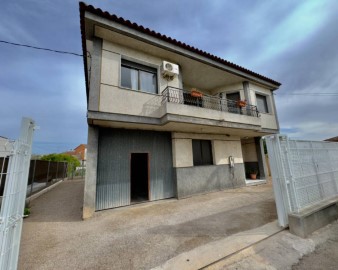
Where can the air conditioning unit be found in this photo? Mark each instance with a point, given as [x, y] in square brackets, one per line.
[169, 69]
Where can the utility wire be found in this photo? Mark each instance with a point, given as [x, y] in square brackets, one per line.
[39, 48]
[309, 94]
[77, 54]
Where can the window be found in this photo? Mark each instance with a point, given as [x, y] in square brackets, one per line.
[232, 99]
[233, 96]
[202, 154]
[138, 77]
[262, 104]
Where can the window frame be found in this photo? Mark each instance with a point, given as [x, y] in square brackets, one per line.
[233, 93]
[139, 67]
[206, 159]
[268, 109]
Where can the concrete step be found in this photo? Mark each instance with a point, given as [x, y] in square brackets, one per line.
[204, 257]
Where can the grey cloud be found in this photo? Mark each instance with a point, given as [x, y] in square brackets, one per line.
[51, 89]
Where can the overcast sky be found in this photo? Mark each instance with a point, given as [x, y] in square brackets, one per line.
[293, 42]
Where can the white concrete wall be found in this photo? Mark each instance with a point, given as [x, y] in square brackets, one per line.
[222, 147]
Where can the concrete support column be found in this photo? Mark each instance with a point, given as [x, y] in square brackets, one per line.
[260, 157]
[91, 172]
[95, 75]
[247, 95]
[275, 110]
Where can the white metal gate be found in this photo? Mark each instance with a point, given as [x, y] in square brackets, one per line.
[303, 173]
[13, 201]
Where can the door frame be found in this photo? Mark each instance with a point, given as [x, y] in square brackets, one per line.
[148, 167]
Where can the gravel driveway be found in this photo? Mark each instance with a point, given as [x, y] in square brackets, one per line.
[135, 237]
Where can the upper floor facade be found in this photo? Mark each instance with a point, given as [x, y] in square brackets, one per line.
[140, 79]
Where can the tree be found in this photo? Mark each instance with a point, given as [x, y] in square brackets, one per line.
[73, 162]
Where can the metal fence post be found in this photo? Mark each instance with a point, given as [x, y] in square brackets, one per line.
[15, 196]
[278, 179]
[335, 183]
[292, 179]
[57, 171]
[48, 172]
[315, 165]
[64, 171]
[33, 176]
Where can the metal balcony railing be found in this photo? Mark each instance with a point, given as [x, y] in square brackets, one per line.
[176, 95]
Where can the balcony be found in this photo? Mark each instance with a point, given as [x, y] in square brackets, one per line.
[180, 96]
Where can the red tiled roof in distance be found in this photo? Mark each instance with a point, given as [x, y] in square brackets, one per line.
[334, 139]
[97, 11]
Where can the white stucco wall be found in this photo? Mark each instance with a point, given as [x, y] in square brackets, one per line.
[262, 91]
[5, 147]
[116, 99]
[222, 147]
[186, 110]
[111, 62]
[269, 120]
[182, 153]
[231, 88]
[222, 150]
[110, 68]
[249, 150]
[125, 101]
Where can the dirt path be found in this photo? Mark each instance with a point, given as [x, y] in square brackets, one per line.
[134, 237]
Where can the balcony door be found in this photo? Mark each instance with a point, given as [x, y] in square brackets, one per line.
[232, 98]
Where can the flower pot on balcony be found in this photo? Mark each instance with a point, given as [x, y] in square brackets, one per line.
[195, 93]
[241, 103]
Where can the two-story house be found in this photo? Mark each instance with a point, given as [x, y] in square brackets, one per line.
[166, 119]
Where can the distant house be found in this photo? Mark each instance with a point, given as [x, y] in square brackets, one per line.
[166, 119]
[333, 139]
[80, 152]
[4, 151]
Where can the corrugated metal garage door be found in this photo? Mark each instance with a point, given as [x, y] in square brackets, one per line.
[113, 172]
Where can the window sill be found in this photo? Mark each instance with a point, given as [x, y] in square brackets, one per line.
[266, 113]
[138, 91]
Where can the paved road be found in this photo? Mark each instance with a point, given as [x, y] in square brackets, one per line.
[134, 237]
[325, 255]
[287, 251]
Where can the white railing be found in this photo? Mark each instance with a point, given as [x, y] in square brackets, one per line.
[13, 201]
[303, 173]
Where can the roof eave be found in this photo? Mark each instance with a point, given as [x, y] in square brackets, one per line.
[149, 35]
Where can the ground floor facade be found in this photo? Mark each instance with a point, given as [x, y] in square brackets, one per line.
[127, 166]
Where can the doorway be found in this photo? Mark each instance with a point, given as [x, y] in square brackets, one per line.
[139, 177]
